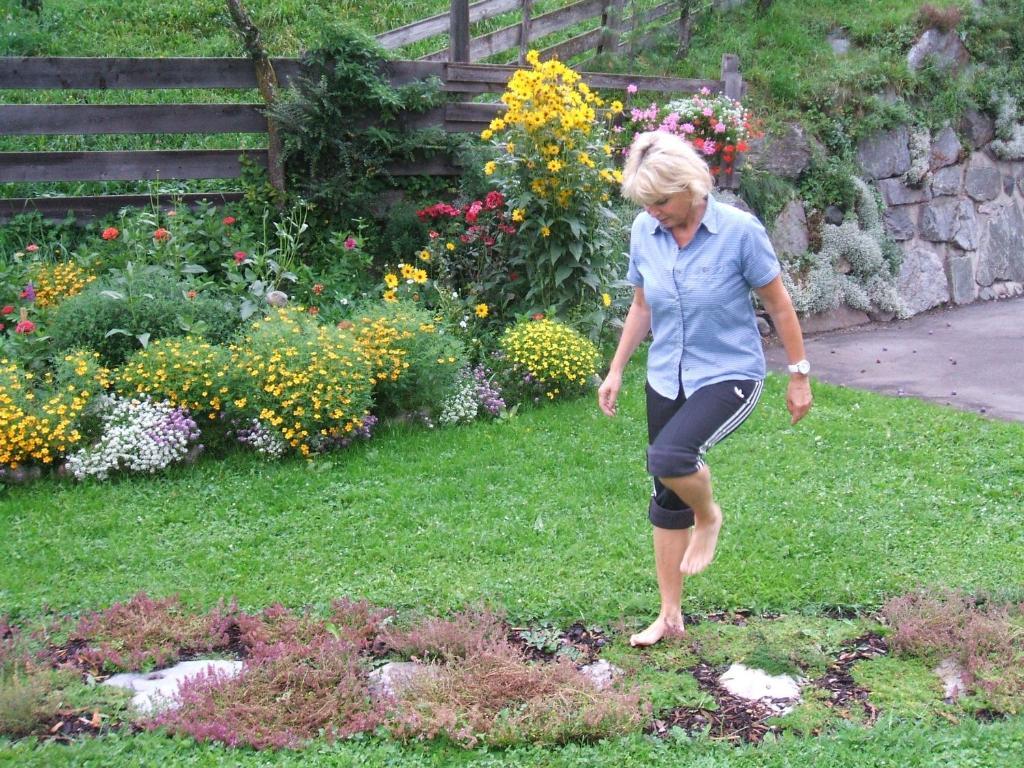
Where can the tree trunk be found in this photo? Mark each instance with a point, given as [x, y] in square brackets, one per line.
[266, 81]
[764, 5]
[687, 11]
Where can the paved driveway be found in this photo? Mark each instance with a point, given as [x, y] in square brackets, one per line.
[969, 357]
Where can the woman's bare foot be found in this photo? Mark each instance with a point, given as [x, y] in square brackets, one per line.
[661, 628]
[703, 540]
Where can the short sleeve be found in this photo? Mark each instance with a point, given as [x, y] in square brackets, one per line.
[633, 272]
[760, 264]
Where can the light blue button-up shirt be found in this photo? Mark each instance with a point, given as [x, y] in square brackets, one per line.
[702, 318]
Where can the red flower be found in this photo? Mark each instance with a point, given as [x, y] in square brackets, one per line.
[742, 146]
[24, 326]
[434, 234]
[161, 234]
[346, 324]
[350, 243]
[228, 220]
[240, 256]
[494, 200]
[110, 233]
[318, 288]
[31, 247]
[191, 294]
[513, 276]
[2, 326]
[7, 310]
[473, 211]
[314, 310]
[537, 316]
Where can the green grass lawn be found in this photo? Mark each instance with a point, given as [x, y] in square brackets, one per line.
[544, 516]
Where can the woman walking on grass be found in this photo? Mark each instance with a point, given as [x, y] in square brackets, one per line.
[693, 263]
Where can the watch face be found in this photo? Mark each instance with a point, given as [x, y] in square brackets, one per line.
[803, 367]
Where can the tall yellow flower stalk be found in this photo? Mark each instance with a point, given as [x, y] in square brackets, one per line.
[552, 159]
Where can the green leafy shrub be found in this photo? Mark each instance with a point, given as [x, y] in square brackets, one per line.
[416, 362]
[765, 193]
[546, 358]
[344, 124]
[309, 382]
[129, 308]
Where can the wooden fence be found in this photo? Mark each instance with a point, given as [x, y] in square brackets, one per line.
[462, 81]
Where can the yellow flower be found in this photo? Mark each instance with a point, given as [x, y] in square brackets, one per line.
[419, 276]
[518, 214]
[408, 271]
[486, 134]
[424, 255]
[554, 166]
[616, 107]
[391, 280]
[490, 167]
[606, 299]
[510, 148]
[544, 232]
[390, 295]
[450, 246]
[481, 310]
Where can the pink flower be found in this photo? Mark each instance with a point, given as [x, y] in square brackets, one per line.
[434, 234]
[31, 247]
[708, 112]
[705, 91]
[687, 128]
[7, 310]
[24, 326]
[172, 214]
[110, 233]
[493, 200]
[709, 148]
[631, 88]
[228, 220]
[240, 256]
[350, 243]
[719, 127]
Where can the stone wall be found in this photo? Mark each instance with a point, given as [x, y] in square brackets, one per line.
[961, 225]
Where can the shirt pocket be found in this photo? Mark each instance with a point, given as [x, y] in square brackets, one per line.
[706, 287]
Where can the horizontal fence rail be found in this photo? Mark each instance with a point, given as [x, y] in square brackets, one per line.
[463, 81]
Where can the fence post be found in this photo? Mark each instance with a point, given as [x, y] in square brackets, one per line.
[611, 20]
[458, 31]
[524, 31]
[732, 86]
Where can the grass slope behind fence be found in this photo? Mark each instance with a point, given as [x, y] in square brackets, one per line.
[544, 516]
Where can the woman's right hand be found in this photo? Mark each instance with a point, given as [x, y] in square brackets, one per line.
[608, 392]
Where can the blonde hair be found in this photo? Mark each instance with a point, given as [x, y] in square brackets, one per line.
[660, 164]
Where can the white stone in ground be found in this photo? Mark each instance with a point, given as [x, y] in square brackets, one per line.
[391, 678]
[601, 673]
[157, 689]
[952, 676]
[779, 692]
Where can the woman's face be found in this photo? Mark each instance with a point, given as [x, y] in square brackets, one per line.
[672, 210]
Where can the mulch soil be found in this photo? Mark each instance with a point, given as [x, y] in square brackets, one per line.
[839, 680]
[582, 643]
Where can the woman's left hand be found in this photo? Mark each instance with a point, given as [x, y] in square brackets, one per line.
[798, 397]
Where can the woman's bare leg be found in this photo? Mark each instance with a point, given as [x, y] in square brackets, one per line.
[695, 490]
[669, 547]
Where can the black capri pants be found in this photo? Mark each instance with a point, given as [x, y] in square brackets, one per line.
[681, 431]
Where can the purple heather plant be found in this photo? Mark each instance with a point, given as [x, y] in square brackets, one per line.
[287, 694]
[143, 633]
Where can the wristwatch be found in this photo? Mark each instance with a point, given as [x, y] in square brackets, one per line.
[803, 367]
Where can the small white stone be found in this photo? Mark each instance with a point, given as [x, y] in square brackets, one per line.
[780, 692]
[389, 679]
[157, 689]
[952, 676]
[601, 673]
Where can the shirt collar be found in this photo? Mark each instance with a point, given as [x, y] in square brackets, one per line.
[710, 220]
